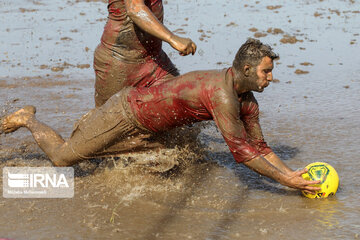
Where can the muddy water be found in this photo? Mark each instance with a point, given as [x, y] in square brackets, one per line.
[309, 114]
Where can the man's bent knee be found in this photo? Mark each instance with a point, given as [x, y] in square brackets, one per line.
[64, 158]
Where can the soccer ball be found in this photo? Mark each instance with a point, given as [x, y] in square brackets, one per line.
[328, 176]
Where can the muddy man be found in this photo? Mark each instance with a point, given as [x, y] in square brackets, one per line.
[224, 96]
[130, 52]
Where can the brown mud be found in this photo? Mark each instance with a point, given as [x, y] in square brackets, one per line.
[299, 71]
[46, 50]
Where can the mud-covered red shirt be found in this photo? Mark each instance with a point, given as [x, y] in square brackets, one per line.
[123, 37]
[191, 98]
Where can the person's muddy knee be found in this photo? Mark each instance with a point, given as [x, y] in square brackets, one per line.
[60, 163]
[65, 158]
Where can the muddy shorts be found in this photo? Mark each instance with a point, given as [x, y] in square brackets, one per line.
[103, 126]
[114, 72]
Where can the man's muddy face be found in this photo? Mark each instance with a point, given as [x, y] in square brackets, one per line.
[263, 74]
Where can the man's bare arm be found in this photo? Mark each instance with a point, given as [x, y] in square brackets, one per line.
[278, 163]
[250, 116]
[293, 179]
[147, 21]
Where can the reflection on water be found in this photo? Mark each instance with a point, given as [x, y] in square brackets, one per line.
[327, 211]
[310, 114]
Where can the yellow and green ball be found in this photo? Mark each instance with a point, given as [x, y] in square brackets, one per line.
[328, 177]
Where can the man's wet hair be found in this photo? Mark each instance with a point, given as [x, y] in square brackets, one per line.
[251, 53]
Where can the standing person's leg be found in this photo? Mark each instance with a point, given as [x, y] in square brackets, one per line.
[113, 73]
[110, 76]
[96, 131]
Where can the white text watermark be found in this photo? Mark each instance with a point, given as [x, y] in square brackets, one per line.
[38, 182]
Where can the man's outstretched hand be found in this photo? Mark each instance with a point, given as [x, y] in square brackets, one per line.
[294, 180]
[289, 178]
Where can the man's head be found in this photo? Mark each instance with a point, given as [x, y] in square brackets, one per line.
[253, 65]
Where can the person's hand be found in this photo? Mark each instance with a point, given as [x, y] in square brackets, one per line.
[294, 180]
[185, 46]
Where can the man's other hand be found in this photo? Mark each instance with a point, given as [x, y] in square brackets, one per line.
[185, 46]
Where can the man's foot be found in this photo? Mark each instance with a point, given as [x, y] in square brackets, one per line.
[17, 119]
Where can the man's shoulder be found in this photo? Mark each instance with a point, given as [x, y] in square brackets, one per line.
[223, 98]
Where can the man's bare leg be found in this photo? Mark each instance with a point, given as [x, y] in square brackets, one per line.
[49, 141]
[96, 131]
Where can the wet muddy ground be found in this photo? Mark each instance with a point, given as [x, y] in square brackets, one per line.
[310, 113]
